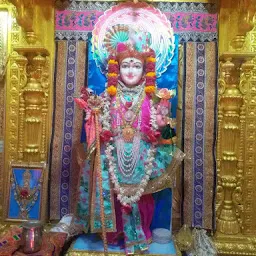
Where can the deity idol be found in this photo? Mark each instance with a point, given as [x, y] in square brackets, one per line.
[137, 146]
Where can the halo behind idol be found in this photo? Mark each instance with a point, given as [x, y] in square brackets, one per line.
[133, 23]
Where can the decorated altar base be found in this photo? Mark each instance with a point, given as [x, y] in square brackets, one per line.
[92, 245]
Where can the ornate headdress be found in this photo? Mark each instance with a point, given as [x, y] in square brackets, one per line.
[136, 46]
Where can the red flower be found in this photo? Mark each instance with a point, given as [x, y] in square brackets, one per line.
[105, 136]
[24, 193]
[150, 80]
[112, 81]
[113, 69]
[126, 209]
[150, 67]
[152, 137]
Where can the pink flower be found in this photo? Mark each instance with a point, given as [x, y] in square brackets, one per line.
[121, 47]
[165, 94]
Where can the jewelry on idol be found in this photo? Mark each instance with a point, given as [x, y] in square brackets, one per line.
[113, 165]
[127, 159]
[131, 90]
[130, 115]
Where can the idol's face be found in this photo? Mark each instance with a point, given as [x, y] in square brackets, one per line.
[131, 71]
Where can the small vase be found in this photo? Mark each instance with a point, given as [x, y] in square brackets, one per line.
[32, 234]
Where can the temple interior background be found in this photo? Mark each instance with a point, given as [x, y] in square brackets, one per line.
[40, 126]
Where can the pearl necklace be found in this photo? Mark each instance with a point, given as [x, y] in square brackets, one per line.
[124, 199]
[127, 159]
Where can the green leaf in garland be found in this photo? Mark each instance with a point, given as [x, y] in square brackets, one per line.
[168, 132]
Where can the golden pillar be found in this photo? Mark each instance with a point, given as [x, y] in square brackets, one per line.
[235, 83]
[29, 80]
[33, 104]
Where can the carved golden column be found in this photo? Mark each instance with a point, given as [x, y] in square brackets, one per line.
[29, 89]
[235, 81]
[230, 140]
[33, 109]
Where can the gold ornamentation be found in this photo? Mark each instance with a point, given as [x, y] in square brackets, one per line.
[235, 245]
[24, 194]
[3, 68]
[33, 76]
[25, 13]
[166, 180]
[249, 223]
[184, 238]
[128, 133]
[96, 111]
[235, 146]
[230, 152]
[73, 252]
[28, 77]
[11, 99]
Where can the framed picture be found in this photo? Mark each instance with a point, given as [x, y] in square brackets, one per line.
[26, 192]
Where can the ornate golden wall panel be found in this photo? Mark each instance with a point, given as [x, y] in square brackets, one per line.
[250, 148]
[13, 38]
[236, 174]
[28, 84]
[3, 60]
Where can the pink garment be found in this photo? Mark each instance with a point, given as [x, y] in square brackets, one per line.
[89, 124]
[90, 132]
[146, 207]
[113, 237]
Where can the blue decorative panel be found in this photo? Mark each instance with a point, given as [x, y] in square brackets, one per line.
[25, 193]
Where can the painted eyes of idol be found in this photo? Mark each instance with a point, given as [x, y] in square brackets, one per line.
[132, 65]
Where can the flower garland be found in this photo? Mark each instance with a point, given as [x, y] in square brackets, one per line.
[113, 70]
[106, 124]
[150, 73]
[124, 199]
[153, 112]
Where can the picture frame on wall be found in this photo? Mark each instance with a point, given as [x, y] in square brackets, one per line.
[26, 192]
